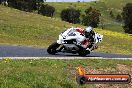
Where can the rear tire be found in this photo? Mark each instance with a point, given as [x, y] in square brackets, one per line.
[52, 48]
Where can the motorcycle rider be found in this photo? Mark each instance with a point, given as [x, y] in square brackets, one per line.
[90, 35]
[84, 37]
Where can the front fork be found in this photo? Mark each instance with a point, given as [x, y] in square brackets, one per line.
[92, 47]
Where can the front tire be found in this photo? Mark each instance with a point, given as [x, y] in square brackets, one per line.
[52, 48]
[83, 52]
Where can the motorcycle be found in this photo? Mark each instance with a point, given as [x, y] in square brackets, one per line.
[67, 44]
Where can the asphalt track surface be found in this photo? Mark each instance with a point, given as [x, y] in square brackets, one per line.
[22, 51]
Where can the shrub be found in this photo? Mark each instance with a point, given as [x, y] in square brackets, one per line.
[4, 2]
[91, 17]
[70, 15]
[127, 17]
[46, 10]
[119, 18]
[111, 14]
[26, 5]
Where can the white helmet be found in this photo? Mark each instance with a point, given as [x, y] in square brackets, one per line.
[88, 29]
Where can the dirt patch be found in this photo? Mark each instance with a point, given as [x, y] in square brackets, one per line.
[124, 69]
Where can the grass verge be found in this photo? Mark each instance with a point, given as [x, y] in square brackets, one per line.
[58, 73]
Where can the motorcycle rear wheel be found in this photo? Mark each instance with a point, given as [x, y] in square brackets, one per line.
[52, 48]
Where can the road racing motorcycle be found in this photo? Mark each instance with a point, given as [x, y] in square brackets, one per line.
[66, 45]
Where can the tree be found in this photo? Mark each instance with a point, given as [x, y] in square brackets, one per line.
[127, 17]
[91, 17]
[0, 1]
[46, 10]
[70, 15]
[78, 1]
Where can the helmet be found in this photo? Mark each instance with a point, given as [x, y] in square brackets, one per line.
[87, 31]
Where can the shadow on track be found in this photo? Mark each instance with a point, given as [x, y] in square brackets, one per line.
[72, 55]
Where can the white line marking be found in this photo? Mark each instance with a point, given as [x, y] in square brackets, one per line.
[65, 58]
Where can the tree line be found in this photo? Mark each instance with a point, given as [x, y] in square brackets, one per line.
[90, 17]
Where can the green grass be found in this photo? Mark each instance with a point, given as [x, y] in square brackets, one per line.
[19, 27]
[115, 42]
[29, 29]
[51, 73]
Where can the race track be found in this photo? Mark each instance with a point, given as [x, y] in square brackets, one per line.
[22, 51]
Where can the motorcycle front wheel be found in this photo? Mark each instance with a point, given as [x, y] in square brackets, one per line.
[83, 52]
[52, 48]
